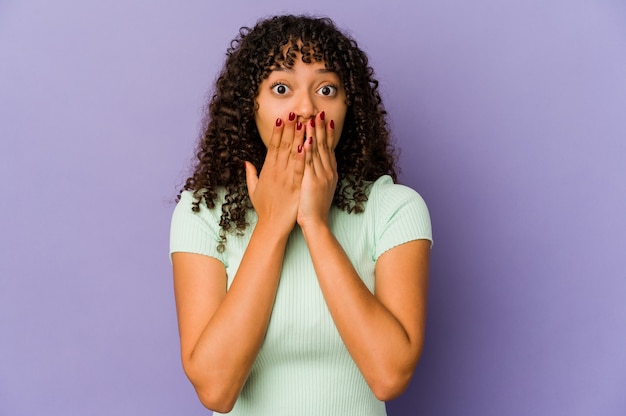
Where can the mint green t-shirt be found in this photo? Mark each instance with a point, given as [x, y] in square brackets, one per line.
[303, 368]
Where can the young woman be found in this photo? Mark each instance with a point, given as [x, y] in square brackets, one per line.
[300, 268]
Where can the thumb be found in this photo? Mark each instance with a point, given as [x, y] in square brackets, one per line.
[251, 177]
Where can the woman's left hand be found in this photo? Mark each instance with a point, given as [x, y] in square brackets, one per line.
[320, 173]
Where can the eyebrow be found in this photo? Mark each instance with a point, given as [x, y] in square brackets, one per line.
[317, 71]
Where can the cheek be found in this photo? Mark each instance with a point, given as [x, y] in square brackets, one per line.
[264, 124]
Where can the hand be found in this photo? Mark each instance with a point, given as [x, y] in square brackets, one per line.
[320, 173]
[275, 194]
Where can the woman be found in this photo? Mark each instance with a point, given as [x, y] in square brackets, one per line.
[300, 268]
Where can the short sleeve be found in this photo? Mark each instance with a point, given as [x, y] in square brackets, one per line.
[194, 232]
[401, 216]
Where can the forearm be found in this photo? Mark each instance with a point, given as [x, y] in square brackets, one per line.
[224, 353]
[377, 341]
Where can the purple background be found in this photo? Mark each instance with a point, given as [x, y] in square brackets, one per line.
[511, 119]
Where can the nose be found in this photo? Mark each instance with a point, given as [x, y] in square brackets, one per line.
[305, 107]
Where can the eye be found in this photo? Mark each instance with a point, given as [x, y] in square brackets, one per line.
[328, 90]
[280, 89]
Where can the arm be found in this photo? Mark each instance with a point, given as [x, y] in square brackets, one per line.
[222, 331]
[383, 332]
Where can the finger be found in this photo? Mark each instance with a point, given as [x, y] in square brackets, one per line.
[320, 131]
[275, 141]
[330, 139]
[330, 134]
[308, 153]
[298, 141]
[299, 156]
[300, 135]
[322, 144]
[288, 146]
[251, 177]
[310, 145]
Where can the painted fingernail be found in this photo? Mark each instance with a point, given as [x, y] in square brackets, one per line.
[292, 116]
[322, 115]
[312, 122]
[278, 122]
[311, 140]
[299, 148]
[299, 125]
[332, 124]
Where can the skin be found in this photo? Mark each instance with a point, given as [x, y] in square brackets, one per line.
[304, 91]
[222, 331]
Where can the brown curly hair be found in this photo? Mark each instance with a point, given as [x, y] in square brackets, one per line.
[230, 136]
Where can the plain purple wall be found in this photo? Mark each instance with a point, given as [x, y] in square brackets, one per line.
[511, 117]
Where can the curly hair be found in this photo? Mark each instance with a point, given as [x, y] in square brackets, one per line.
[230, 135]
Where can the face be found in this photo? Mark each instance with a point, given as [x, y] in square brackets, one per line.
[304, 89]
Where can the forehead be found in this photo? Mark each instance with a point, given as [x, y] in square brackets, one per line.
[292, 53]
[311, 71]
[299, 51]
[300, 66]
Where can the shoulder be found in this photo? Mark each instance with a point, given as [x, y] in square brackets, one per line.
[187, 198]
[195, 231]
[385, 194]
[399, 213]
[192, 212]
[189, 205]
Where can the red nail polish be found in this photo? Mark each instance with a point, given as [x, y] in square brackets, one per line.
[278, 122]
[322, 115]
[299, 125]
[299, 148]
[332, 124]
[311, 140]
[292, 116]
[312, 122]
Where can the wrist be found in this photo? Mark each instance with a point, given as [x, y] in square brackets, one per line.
[315, 229]
[271, 232]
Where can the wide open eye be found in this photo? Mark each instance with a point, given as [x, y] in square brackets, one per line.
[280, 89]
[328, 90]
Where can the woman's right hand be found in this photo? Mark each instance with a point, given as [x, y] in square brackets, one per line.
[275, 193]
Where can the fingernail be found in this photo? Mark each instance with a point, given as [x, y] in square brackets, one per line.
[299, 148]
[299, 126]
[311, 140]
[322, 115]
[332, 124]
[292, 116]
[278, 122]
[312, 122]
